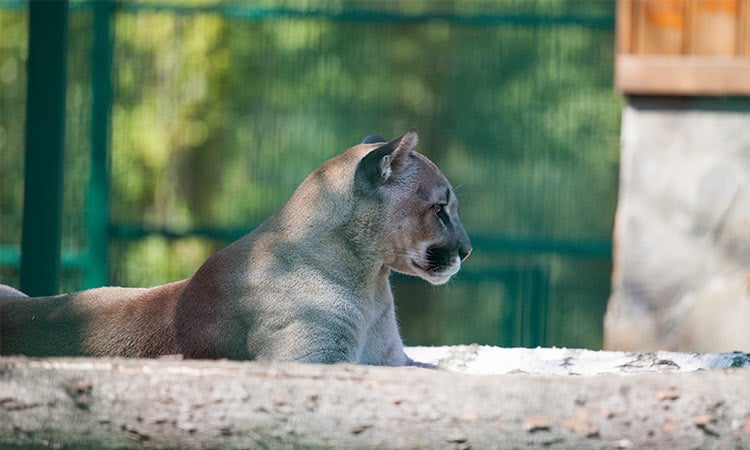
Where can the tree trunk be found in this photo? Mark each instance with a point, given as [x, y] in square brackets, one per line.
[103, 403]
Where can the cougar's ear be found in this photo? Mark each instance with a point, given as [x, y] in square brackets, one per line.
[378, 165]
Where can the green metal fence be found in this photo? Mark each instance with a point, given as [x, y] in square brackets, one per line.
[219, 110]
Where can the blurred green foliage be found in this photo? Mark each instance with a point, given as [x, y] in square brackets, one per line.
[221, 109]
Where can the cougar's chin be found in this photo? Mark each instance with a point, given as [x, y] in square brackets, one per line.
[436, 275]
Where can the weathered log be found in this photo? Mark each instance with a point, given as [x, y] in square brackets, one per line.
[102, 403]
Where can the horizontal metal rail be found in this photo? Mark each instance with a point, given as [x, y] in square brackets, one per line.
[257, 13]
[588, 247]
[579, 248]
[11, 257]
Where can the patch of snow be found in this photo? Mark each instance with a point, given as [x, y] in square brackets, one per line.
[486, 360]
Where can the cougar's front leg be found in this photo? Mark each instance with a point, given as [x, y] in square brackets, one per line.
[382, 345]
[305, 340]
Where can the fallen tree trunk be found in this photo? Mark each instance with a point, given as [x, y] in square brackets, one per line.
[95, 403]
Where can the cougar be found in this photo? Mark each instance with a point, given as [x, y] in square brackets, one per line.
[310, 284]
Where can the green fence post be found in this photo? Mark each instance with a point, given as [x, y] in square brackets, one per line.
[101, 109]
[538, 306]
[45, 144]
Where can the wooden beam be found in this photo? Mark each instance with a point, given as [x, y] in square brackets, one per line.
[743, 28]
[661, 27]
[682, 75]
[713, 27]
[624, 26]
[104, 403]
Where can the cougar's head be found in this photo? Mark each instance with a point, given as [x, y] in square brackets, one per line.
[421, 228]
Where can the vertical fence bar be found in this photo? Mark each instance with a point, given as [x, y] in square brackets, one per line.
[45, 144]
[101, 109]
[538, 282]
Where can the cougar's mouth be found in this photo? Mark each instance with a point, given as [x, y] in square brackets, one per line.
[441, 265]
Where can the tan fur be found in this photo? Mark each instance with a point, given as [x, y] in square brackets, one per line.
[7, 291]
[309, 284]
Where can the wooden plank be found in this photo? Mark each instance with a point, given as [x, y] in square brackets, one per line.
[691, 12]
[682, 75]
[713, 27]
[661, 27]
[624, 25]
[743, 28]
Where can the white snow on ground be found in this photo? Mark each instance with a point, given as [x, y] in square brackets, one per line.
[485, 360]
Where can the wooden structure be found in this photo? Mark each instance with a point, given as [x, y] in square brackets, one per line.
[151, 404]
[683, 47]
[680, 270]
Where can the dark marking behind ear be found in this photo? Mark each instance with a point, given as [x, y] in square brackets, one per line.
[378, 165]
[373, 139]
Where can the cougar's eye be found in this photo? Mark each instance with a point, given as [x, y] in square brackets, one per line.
[441, 213]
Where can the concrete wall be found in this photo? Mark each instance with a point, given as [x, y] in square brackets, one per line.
[681, 278]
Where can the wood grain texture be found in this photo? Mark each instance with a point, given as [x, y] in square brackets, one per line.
[683, 47]
[680, 75]
[88, 403]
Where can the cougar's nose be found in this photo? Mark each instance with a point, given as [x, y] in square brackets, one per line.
[464, 252]
[464, 243]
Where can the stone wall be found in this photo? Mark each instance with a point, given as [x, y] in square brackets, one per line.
[681, 278]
